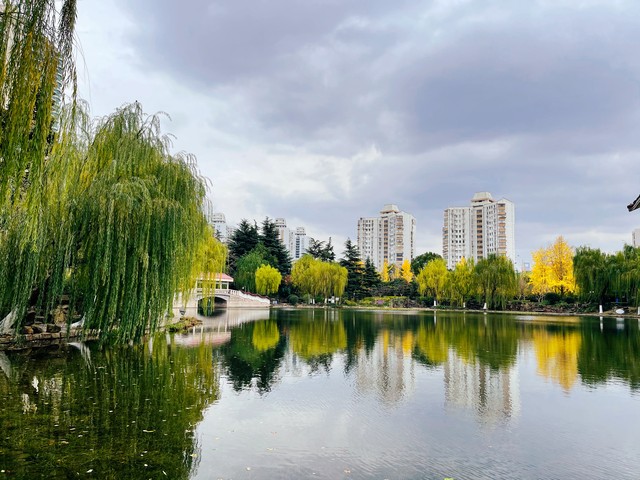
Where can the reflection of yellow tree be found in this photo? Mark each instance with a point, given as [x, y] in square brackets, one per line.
[557, 355]
[311, 339]
[407, 343]
[265, 335]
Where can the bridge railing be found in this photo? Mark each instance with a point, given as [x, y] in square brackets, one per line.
[238, 293]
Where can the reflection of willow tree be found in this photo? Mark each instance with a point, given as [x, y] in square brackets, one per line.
[127, 411]
[265, 335]
[557, 354]
[252, 354]
[431, 345]
[610, 353]
[494, 344]
[317, 341]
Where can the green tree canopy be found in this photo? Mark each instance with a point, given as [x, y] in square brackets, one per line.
[321, 250]
[244, 239]
[247, 265]
[370, 277]
[420, 261]
[270, 238]
[433, 277]
[315, 277]
[461, 281]
[496, 278]
[267, 280]
[353, 263]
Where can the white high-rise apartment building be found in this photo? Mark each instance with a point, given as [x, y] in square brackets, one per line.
[635, 237]
[295, 241]
[389, 237]
[486, 227]
[219, 223]
[283, 232]
[298, 243]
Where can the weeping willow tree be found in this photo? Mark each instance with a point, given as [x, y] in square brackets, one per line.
[124, 224]
[139, 224]
[100, 212]
[496, 279]
[601, 276]
[35, 66]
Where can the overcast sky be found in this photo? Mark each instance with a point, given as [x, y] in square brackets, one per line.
[322, 111]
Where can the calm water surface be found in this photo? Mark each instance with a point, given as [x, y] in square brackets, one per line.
[335, 395]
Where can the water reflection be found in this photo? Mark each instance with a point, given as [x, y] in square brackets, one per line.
[387, 370]
[382, 349]
[557, 354]
[297, 381]
[494, 394]
[113, 412]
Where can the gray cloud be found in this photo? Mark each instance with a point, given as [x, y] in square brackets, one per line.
[340, 73]
[536, 101]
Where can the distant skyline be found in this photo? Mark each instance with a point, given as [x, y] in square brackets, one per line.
[321, 112]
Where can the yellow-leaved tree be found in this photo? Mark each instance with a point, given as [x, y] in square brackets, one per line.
[405, 271]
[384, 274]
[433, 278]
[267, 280]
[553, 269]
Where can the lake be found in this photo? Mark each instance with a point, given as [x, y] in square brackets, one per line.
[333, 394]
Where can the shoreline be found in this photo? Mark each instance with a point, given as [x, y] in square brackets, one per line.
[608, 313]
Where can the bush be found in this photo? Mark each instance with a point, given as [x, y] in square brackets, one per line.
[551, 298]
[293, 299]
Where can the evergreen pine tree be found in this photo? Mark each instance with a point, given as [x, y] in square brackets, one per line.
[370, 278]
[244, 239]
[315, 248]
[353, 263]
[327, 254]
[270, 238]
[321, 251]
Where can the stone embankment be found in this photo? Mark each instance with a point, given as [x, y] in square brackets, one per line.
[41, 339]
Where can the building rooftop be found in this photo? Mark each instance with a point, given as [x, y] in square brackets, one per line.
[481, 197]
[390, 208]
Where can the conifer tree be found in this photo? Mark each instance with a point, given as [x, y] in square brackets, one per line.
[244, 239]
[353, 263]
[370, 278]
[270, 238]
[321, 250]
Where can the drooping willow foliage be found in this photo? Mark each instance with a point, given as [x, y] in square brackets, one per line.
[138, 217]
[124, 225]
[100, 212]
[602, 277]
[35, 66]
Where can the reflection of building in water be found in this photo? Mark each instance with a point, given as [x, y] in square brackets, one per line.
[388, 369]
[216, 330]
[493, 394]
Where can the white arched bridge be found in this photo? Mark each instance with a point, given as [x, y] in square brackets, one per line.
[222, 297]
